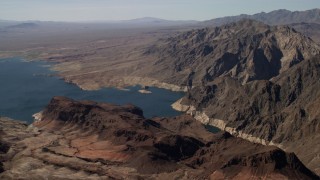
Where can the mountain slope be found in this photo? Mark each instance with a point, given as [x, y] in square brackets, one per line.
[255, 81]
[247, 50]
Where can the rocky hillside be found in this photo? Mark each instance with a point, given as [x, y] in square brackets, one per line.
[88, 140]
[282, 111]
[247, 50]
[276, 17]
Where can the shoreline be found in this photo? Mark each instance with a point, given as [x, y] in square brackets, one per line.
[188, 109]
[120, 82]
[220, 124]
[124, 81]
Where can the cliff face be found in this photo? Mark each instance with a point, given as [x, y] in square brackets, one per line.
[88, 140]
[247, 50]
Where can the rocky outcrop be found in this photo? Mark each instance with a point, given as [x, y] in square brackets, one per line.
[178, 147]
[89, 140]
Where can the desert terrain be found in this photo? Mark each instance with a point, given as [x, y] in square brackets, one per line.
[255, 77]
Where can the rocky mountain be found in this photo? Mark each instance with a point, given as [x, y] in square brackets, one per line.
[276, 17]
[89, 140]
[247, 50]
[255, 81]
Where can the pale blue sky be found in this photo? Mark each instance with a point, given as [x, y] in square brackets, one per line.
[89, 10]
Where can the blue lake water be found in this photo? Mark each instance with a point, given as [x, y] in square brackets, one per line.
[25, 89]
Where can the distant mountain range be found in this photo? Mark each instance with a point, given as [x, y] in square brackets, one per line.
[23, 25]
[230, 50]
[157, 21]
[276, 17]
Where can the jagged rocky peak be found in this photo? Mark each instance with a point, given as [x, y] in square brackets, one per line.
[246, 50]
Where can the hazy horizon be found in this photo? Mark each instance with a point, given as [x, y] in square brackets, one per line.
[114, 10]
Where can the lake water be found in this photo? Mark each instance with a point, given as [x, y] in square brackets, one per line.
[26, 89]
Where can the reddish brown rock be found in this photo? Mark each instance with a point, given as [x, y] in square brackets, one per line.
[89, 140]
